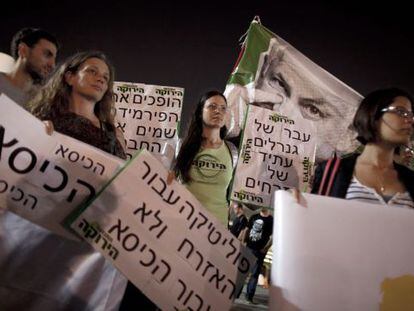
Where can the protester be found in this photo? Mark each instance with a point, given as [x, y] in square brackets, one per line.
[206, 161]
[239, 221]
[41, 270]
[258, 239]
[384, 122]
[34, 51]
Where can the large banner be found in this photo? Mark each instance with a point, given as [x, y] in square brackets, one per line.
[149, 116]
[161, 238]
[337, 254]
[277, 152]
[43, 178]
[272, 73]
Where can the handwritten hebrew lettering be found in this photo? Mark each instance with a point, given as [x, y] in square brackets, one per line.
[161, 101]
[137, 99]
[195, 220]
[144, 145]
[137, 114]
[191, 300]
[88, 186]
[150, 259]
[174, 101]
[183, 290]
[258, 123]
[289, 132]
[123, 110]
[19, 192]
[130, 242]
[149, 114]
[296, 135]
[100, 168]
[190, 244]
[124, 98]
[282, 176]
[214, 236]
[268, 129]
[170, 117]
[153, 100]
[162, 116]
[191, 209]
[63, 174]
[170, 134]
[167, 267]
[141, 130]
[158, 145]
[18, 153]
[258, 142]
[157, 132]
[121, 126]
[3, 143]
[142, 210]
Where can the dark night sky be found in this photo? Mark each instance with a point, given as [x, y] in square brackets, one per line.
[195, 46]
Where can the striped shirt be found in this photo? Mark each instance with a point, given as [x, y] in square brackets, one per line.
[360, 192]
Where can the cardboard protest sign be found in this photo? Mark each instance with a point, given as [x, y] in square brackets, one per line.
[149, 116]
[337, 254]
[277, 152]
[161, 238]
[43, 178]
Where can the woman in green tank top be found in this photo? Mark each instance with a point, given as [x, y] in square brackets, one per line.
[205, 162]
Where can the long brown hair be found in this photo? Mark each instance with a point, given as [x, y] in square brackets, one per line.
[192, 143]
[53, 98]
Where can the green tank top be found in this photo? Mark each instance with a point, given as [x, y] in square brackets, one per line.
[211, 173]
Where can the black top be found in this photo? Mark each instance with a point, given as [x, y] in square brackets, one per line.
[345, 172]
[82, 129]
[239, 223]
[260, 230]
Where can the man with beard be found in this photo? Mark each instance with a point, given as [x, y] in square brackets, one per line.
[34, 51]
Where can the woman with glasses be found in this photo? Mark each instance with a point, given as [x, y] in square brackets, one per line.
[384, 123]
[205, 161]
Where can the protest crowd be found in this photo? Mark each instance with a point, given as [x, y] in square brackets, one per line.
[207, 196]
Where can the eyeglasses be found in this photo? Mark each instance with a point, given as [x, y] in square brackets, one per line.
[214, 107]
[403, 113]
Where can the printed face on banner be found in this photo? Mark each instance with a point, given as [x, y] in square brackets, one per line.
[43, 178]
[148, 116]
[277, 152]
[287, 83]
[274, 75]
[164, 241]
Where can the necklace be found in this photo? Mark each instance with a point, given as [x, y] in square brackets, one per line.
[376, 175]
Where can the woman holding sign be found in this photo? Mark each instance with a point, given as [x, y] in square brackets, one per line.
[205, 162]
[77, 101]
[384, 123]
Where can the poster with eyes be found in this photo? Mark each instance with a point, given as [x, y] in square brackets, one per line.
[273, 74]
[149, 116]
[277, 152]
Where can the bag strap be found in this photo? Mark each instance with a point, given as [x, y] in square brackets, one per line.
[233, 152]
[335, 160]
[331, 179]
